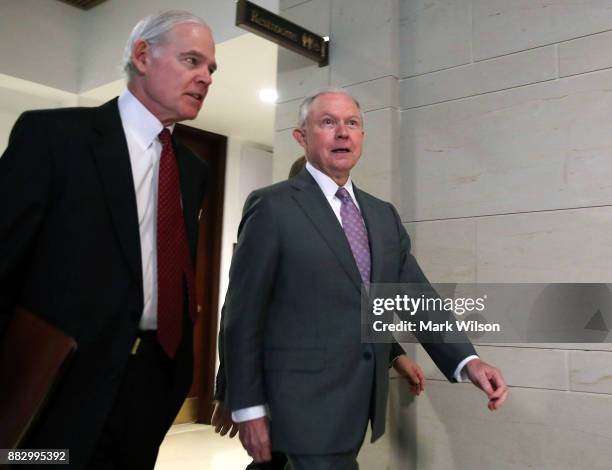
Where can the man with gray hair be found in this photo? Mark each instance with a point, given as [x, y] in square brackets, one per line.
[98, 236]
[299, 379]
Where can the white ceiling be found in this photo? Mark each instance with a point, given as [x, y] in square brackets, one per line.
[232, 108]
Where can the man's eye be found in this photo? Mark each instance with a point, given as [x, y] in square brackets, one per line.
[191, 60]
[327, 121]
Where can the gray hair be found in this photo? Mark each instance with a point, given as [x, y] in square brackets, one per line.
[309, 99]
[154, 29]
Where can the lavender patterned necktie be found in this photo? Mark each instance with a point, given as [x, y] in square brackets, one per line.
[356, 233]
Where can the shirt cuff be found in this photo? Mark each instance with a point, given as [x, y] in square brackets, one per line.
[248, 414]
[395, 359]
[460, 374]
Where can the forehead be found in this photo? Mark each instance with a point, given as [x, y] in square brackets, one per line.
[334, 103]
[190, 35]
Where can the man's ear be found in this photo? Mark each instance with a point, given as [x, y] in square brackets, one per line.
[298, 135]
[141, 54]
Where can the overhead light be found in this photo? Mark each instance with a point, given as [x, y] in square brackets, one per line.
[268, 95]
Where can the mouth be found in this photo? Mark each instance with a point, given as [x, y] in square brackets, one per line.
[341, 150]
[196, 96]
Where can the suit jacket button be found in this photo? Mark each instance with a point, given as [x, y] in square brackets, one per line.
[367, 355]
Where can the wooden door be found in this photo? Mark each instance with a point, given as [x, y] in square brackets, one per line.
[212, 149]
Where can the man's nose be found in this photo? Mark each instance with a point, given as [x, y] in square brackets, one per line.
[204, 77]
[341, 130]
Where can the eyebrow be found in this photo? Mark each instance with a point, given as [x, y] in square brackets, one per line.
[199, 55]
[354, 116]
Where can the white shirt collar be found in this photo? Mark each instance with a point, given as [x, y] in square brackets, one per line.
[328, 185]
[142, 125]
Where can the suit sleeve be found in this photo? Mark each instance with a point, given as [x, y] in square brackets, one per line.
[395, 351]
[25, 190]
[251, 282]
[446, 354]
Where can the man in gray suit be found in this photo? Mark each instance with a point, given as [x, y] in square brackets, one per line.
[293, 350]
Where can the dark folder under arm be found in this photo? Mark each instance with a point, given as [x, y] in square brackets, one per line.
[33, 354]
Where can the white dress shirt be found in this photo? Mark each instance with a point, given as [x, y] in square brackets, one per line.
[329, 188]
[141, 130]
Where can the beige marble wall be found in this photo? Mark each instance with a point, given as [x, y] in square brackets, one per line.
[538, 428]
[434, 35]
[585, 54]
[504, 26]
[488, 125]
[530, 148]
[366, 36]
[508, 153]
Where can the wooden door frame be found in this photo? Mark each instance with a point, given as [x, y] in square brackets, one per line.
[208, 266]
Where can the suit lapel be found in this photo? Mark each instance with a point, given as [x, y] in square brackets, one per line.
[312, 200]
[373, 225]
[109, 147]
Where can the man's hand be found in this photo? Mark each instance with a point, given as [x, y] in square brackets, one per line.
[489, 379]
[412, 372]
[255, 438]
[222, 420]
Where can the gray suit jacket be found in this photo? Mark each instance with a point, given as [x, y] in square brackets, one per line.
[292, 318]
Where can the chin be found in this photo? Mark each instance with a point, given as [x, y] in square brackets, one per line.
[190, 116]
[346, 165]
[191, 111]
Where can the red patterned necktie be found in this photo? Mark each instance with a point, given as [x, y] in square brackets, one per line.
[173, 258]
[356, 233]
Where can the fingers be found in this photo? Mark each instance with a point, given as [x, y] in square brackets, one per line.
[497, 380]
[500, 392]
[413, 374]
[219, 418]
[421, 376]
[225, 427]
[496, 403]
[228, 426]
[490, 380]
[234, 430]
[255, 438]
[483, 383]
[417, 380]
[222, 421]
[477, 372]
[215, 420]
